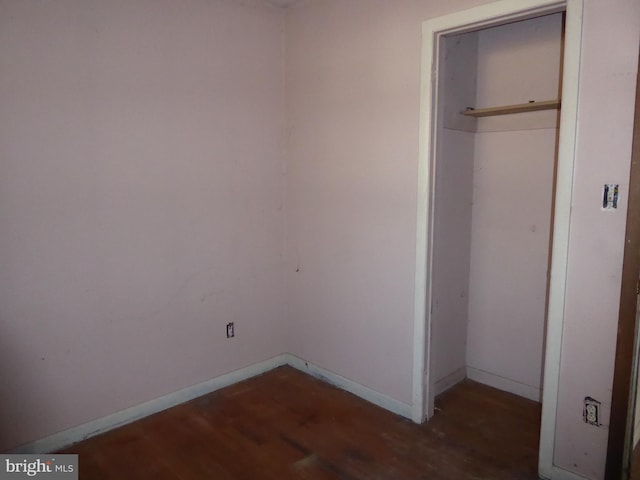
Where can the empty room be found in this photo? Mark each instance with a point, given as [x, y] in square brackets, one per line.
[350, 239]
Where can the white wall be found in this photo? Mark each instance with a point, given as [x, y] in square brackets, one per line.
[509, 258]
[452, 249]
[452, 210]
[512, 195]
[353, 72]
[140, 202]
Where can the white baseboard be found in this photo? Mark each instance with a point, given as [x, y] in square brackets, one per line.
[506, 384]
[73, 435]
[450, 380]
[350, 386]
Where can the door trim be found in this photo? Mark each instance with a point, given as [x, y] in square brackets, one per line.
[492, 14]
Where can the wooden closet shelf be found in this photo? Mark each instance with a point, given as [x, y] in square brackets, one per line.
[507, 109]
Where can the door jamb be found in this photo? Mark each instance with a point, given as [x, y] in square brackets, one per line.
[492, 14]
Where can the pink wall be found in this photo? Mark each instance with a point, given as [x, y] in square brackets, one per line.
[606, 107]
[352, 86]
[140, 202]
[353, 72]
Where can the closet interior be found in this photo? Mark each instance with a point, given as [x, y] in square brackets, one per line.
[498, 110]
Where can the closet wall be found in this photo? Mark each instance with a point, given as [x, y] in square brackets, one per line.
[452, 216]
[493, 207]
[514, 162]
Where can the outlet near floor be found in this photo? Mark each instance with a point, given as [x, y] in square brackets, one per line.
[591, 411]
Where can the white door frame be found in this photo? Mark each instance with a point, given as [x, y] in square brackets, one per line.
[497, 13]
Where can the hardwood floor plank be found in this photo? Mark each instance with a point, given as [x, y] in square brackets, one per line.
[285, 424]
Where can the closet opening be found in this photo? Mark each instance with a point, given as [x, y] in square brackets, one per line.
[494, 185]
[499, 112]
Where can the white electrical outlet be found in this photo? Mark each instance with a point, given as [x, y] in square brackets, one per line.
[230, 330]
[591, 412]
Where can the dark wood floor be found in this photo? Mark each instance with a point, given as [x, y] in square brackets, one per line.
[285, 424]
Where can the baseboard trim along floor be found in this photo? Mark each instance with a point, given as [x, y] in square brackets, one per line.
[90, 429]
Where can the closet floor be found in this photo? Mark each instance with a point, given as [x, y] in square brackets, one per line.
[286, 424]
